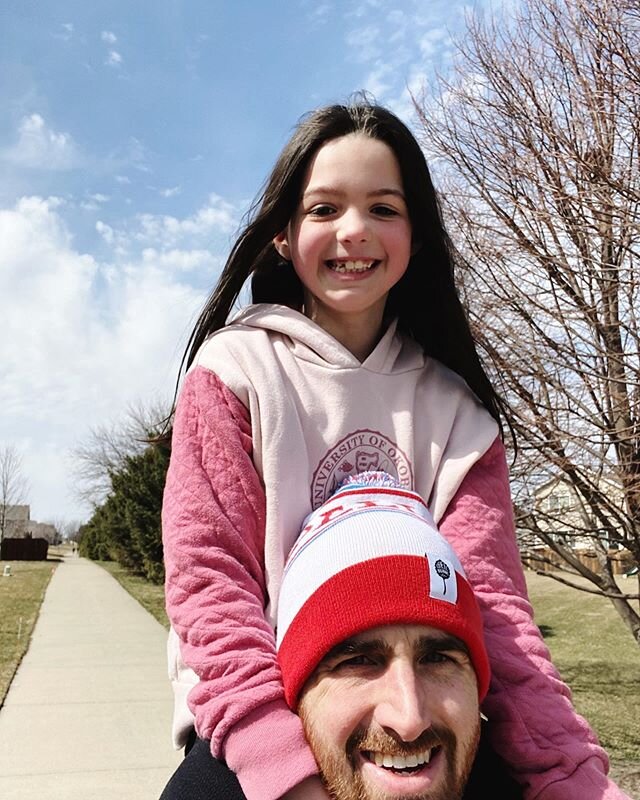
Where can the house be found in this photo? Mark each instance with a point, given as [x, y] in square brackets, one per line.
[18, 525]
[561, 511]
[16, 521]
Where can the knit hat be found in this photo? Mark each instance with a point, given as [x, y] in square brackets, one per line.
[369, 556]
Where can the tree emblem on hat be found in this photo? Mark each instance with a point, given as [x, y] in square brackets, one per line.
[444, 572]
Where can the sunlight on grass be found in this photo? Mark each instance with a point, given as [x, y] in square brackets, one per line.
[21, 596]
[597, 657]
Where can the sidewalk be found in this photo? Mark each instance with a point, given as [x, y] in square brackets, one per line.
[88, 713]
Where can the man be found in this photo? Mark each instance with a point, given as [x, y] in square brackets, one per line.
[382, 654]
[381, 648]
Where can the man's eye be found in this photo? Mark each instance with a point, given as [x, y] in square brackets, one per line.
[355, 661]
[436, 657]
[321, 210]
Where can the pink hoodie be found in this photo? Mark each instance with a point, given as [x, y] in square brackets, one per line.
[271, 415]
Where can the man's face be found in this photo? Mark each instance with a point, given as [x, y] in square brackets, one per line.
[392, 714]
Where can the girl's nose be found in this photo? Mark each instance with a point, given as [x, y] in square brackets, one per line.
[353, 227]
[401, 704]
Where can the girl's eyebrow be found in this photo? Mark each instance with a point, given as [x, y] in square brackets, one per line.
[340, 193]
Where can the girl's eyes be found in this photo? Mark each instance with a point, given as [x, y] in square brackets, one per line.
[321, 211]
[325, 210]
[384, 211]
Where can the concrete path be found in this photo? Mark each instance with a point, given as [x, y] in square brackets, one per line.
[88, 713]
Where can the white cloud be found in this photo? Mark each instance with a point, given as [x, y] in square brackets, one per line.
[114, 59]
[380, 80]
[170, 191]
[65, 31]
[122, 179]
[435, 41]
[106, 231]
[40, 147]
[136, 154]
[94, 201]
[363, 8]
[82, 339]
[319, 12]
[109, 37]
[181, 260]
[364, 43]
[210, 226]
[218, 216]
[411, 38]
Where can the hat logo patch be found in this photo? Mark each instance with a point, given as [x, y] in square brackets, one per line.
[442, 580]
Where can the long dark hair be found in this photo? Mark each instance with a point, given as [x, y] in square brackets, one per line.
[425, 299]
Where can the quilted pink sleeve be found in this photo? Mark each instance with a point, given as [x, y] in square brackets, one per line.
[551, 750]
[213, 521]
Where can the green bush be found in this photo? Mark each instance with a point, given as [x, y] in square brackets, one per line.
[126, 528]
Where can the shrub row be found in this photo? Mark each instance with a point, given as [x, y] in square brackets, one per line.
[126, 527]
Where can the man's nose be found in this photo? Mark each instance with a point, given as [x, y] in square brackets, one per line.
[353, 227]
[401, 704]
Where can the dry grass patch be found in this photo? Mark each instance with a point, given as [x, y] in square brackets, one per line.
[21, 596]
[597, 657]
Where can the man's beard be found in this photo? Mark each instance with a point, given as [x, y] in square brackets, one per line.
[343, 778]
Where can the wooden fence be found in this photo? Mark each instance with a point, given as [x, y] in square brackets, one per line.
[24, 549]
[543, 559]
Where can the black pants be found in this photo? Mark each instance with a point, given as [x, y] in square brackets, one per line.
[202, 777]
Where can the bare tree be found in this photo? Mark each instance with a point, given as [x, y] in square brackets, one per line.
[107, 446]
[65, 529]
[70, 530]
[536, 144]
[13, 484]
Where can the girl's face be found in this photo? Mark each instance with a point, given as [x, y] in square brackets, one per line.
[350, 238]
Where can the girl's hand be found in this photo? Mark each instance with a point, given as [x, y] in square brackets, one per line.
[310, 789]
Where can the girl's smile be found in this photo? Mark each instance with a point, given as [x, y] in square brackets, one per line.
[350, 238]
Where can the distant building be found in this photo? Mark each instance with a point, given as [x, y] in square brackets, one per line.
[43, 530]
[18, 525]
[563, 513]
[17, 519]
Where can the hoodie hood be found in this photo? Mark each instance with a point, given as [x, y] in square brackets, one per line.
[309, 342]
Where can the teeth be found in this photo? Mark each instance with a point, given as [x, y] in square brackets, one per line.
[351, 266]
[400, 762]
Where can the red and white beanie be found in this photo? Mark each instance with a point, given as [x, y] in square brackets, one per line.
[370, 556]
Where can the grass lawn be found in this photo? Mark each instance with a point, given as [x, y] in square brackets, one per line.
[597, 657]
[21, 596]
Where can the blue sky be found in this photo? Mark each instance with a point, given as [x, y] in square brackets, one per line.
[133, 137]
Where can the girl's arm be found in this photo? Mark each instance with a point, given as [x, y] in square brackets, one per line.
[549, 748]
[213, 532]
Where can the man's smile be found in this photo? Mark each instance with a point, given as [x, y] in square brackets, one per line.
[400, 763]
[381, 774]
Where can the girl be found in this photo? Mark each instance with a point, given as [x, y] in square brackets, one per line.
[355, 355]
